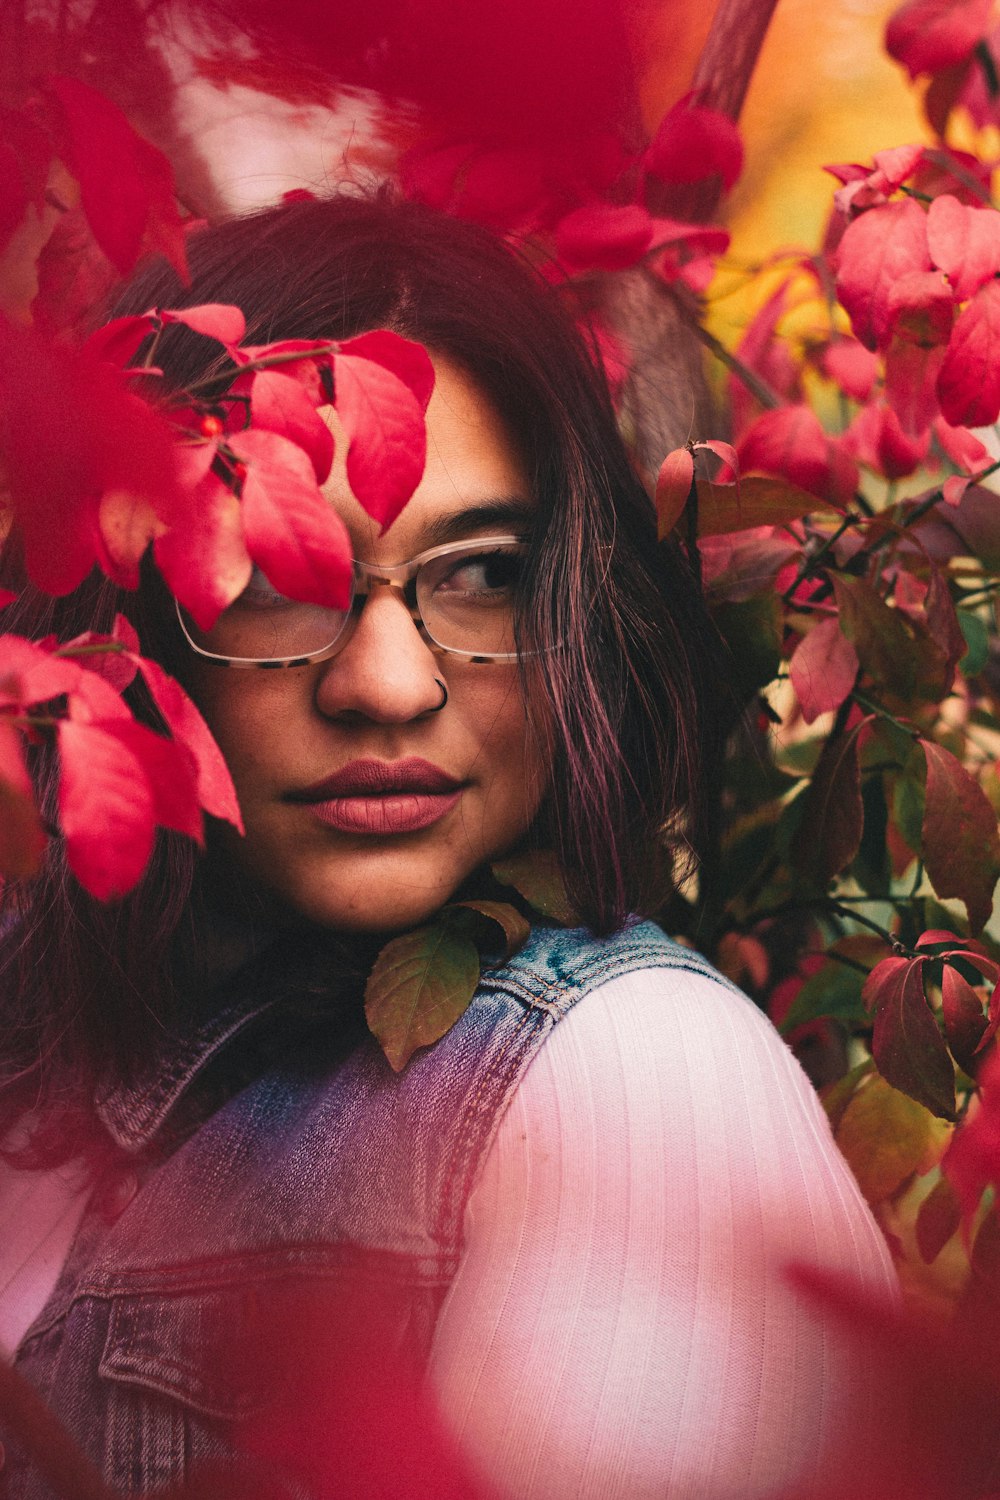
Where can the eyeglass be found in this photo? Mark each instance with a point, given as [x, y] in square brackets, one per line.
[462, 597]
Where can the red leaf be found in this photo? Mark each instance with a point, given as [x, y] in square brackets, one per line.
[693, 142]
[604, 236]
[172, 775]
[823, 669]
[22, 838]
[30, 674]
[204, 557]
[216, 320]
[673, 486]
[876, 251]
[963, 1015]
[927, 36]
[292, 532]
[95, 700]
[969, 383]
[908, 1048]
[215, 785]
[829, 834]
[972, 1162]
[117, 666]
[279, 403]
[964, 243]
[938, 1217]
[404, 357]
[791, 442]
[106, 809]
[878, 440]
[386, 435]
[960, 844]
[126, 185]
[961, 446]
[117, 341]
[851, 366]
[868, 188]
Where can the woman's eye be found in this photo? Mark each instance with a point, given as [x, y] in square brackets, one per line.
[488, 573]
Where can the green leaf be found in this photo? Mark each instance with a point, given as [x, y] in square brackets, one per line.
[960, 843]
[908, 807]
[537, 877]
[752, 629]
[756, 501]
[829, 833]
[420, 985]
[977, 643]
[834, 992]
[493, 922]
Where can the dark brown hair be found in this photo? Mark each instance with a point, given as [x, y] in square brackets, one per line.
[631, 697]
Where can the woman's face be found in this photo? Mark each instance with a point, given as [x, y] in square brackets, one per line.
[346, 852]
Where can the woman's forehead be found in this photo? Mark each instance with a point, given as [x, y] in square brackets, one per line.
[474, 479]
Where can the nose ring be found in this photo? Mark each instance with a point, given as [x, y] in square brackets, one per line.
[444, 697]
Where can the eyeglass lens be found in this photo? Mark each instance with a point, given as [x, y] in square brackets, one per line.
[466, 599]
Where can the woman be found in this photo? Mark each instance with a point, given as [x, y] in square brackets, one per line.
[581, 1199]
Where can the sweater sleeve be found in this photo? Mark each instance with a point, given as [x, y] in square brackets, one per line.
[620, 1327]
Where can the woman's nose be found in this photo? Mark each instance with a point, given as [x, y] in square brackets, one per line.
[386, 672]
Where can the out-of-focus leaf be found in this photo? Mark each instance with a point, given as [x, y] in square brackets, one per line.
[693, 142]
[823, 668]
[960, 843]
[673, 487]
[908, 1048]
[126, 184]
[833, 992]
[214, 320]
[22, 837]
[604, 236]
[877, 250]
[537, 878]
[969, 383]
[790, 443]
[964, 243]
[887, 1137]
[829, 833]
[387, 440]
[291, 530]
[927, 36]
[752, 631]
[419, 986]
[938, 1217]
[977, 642]
[106, 809]
[973, 1160]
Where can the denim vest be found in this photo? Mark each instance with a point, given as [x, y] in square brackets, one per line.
[322, 1164]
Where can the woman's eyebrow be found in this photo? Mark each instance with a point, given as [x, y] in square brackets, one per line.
[506, 512]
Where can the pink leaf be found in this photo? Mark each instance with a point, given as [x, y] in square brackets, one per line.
[969, 383]
[215, 785]
[604, 236]
[961, 446]
[22, 838]
[126, 184]
[279, 403]
[117, 341]
[405, 358]
[216, 320]
[386, 436]
[964, 243]
[879, 441]
[877, 249]
[292, 532]
[851, 366]
[116, 666]
[823, 669]
[106, 809]
[791, 442]
[693, 142]
[927, 36]
[204, 557]
[171, 773]
[673, 486]
[30, 674]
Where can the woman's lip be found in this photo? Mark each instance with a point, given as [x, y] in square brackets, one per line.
[365, 779]
[395, 812]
